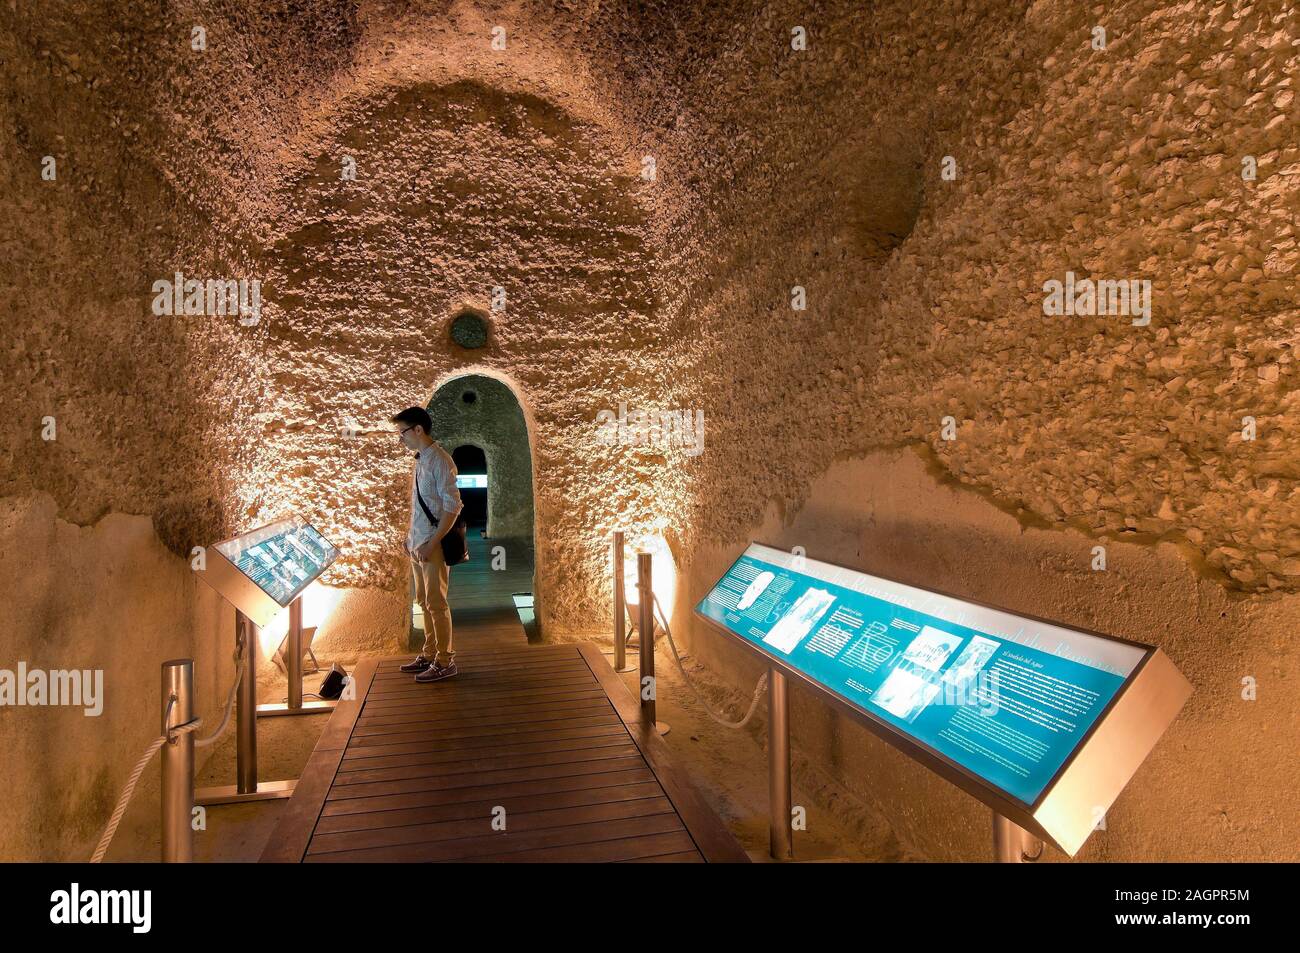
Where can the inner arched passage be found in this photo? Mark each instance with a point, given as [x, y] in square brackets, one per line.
[477, 411]
[480, 422]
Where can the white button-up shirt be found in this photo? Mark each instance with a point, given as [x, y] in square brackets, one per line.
[435, 477]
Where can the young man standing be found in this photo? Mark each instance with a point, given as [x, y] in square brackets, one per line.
[435, 504]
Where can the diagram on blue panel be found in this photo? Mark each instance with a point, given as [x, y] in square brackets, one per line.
[793, 627]
[972, 660]
[914, 682]
[754, 590]
[871, 649]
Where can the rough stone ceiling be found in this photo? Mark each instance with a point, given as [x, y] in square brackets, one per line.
[778, 169]
[229, 132]
[283, 83]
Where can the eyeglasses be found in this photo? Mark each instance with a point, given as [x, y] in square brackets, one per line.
[402, 433]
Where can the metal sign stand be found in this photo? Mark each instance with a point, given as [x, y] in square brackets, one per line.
[1012, 844]
[1090, 773]
[780, 834]
[293, 664]
[177, 762]
[620, 608]
[247, 787]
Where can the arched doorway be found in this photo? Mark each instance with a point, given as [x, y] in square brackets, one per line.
[479, 420]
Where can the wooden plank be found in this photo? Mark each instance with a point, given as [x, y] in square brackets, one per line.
[483, 742]
[479, 766]
[627, 851]
[414, 772]
[517, 804]
[442, 756]
[507, 842]
[437, 721]
[292, 835]
[538, 718]
[685, 857]
[511, 665]
[473, 682]
[480, 731]
[482, 826]
[396, 716]
[342, 791]
[711, 836]
[495, 697]
[293, 832]
[449, 690]
[497, 793]
[555, 663]
[464, 689]
[473, 761]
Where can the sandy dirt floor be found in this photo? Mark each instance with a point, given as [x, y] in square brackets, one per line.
[729, 766]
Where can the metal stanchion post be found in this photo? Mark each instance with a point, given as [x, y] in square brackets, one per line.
[293, 664]
[620, 608]
[246, 715]
[645, 590]
[293, 652]
[177, 762]
[780, 836]
[646, 626]
[1012, 844]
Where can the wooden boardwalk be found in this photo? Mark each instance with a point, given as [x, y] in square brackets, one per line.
[549, 733]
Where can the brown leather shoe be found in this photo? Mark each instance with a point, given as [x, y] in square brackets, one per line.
[437, 672]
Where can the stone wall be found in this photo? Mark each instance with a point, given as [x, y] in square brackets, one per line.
[124, 430]
[529, 169]
[105, 598]
[824, 169]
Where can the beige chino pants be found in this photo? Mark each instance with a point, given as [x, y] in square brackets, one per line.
[431, 593]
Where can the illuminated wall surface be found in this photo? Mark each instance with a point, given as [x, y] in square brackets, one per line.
[1007, 699]
[833, 243]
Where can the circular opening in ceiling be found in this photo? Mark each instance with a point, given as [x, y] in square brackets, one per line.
[469, 329]
[469, 397]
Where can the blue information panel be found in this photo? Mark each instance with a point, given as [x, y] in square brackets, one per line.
[1006, 698]
[281, 558]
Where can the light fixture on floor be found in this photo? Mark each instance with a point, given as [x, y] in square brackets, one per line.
[663, 569]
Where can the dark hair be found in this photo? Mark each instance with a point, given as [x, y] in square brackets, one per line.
[414, 417]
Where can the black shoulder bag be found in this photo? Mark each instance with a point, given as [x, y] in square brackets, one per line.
[455, 547]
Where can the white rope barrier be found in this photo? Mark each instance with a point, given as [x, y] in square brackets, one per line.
[107, 838]
[129, 790]
[758, 689]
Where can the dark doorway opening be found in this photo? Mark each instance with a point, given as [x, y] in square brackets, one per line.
[472, 478]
